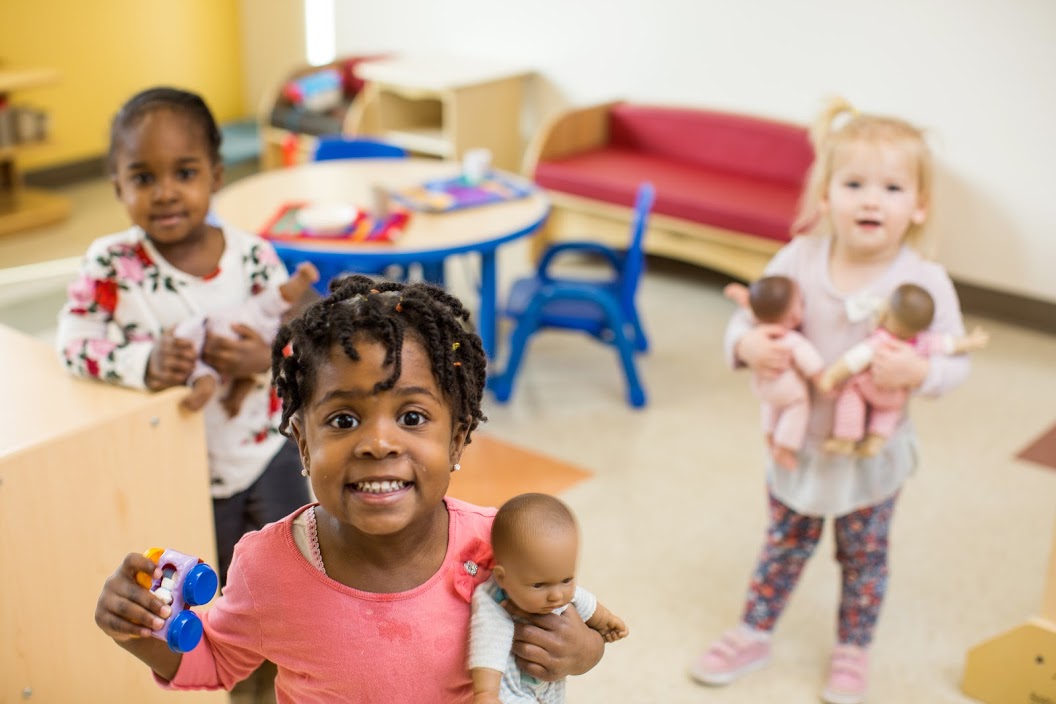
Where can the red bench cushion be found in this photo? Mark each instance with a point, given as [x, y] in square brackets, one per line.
[705, 195]
[739, 144]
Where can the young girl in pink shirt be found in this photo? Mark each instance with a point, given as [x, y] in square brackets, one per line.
[866, 199]
[365, 595]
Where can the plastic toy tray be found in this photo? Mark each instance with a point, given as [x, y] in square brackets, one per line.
[454, 193]
[283, 227]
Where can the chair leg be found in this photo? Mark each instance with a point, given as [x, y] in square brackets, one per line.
[618, 324]
[635, 393]
[433, 272]
[502, 385]
[641, 342]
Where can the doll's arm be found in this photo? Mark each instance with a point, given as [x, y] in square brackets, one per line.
[485, 685]
[854, 360]
[738, 293]
[833, 376]
[977, 339]
[609, 625]
[490, 640]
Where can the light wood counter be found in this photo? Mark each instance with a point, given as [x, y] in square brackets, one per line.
[88, 473]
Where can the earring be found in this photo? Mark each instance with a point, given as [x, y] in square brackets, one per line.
[304, 472]
[456, 467]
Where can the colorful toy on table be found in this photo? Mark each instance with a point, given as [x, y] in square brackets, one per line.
[363, 227]
[865, 415]
[462, 191]
[185, 581]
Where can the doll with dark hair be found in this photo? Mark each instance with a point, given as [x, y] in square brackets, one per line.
[866, 414]
[775, 301]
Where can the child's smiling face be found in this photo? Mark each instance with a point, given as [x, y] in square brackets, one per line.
[379, 462]
[873, 199]
[165, 177]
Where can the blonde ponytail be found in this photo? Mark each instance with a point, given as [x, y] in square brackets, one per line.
[834, 109]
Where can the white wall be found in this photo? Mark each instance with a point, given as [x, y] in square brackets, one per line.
[978, 73]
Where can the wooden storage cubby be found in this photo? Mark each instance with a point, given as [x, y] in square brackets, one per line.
[22, 208]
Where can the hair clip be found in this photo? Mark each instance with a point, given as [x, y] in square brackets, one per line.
[399, 306]
[458, 364]
[456, 346]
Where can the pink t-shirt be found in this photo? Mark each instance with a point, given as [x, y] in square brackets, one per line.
[332, 643]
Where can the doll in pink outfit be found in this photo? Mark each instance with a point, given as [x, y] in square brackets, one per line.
[865, 414]
[776, 300]
[263, 312]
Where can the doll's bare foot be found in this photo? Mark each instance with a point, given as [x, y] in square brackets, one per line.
[240, 388]
[871, 446]
[202, 390]
[785, 457]
[839, 446]
[297, 285]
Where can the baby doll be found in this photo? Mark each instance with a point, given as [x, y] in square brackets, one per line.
[865, 415]
[536, 542]
[776, 300]
[262, 312]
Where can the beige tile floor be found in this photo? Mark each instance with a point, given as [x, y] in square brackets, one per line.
[674, 513]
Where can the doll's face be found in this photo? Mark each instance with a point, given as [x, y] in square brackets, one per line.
[542, 576]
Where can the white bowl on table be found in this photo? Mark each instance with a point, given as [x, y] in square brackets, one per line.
[326, 219]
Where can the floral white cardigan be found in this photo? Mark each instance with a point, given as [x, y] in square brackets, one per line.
[124, 297]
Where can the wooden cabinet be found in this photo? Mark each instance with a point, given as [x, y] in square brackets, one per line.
[88, 473]
[439, 106]
[20, 207]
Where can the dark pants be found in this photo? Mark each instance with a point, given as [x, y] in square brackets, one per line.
[278, 491]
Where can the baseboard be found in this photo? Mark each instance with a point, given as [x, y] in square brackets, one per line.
[96, 167]
[1026, 312]
[68, 173]
[1007, 307]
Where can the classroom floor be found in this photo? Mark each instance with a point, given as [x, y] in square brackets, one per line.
[673, 515]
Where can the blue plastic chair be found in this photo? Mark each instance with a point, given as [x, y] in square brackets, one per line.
[329, 148]
[340, 147]
[603, 309]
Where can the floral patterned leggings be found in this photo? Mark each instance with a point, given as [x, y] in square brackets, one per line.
[861, 550]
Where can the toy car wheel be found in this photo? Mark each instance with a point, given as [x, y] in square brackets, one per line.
[185, 631]
[200, 585]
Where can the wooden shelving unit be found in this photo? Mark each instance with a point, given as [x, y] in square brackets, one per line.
[22, 208]
[442, 107]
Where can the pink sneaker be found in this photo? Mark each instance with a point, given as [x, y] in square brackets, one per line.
[848, 676]
[736, 653]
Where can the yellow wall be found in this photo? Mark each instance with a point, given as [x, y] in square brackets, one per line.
[106, 50]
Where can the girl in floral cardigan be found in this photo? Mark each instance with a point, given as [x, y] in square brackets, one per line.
[135, 286]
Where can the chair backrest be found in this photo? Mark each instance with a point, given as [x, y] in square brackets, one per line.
[634, 260]
[339, 147]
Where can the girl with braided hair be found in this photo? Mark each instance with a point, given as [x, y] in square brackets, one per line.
[365, 595]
